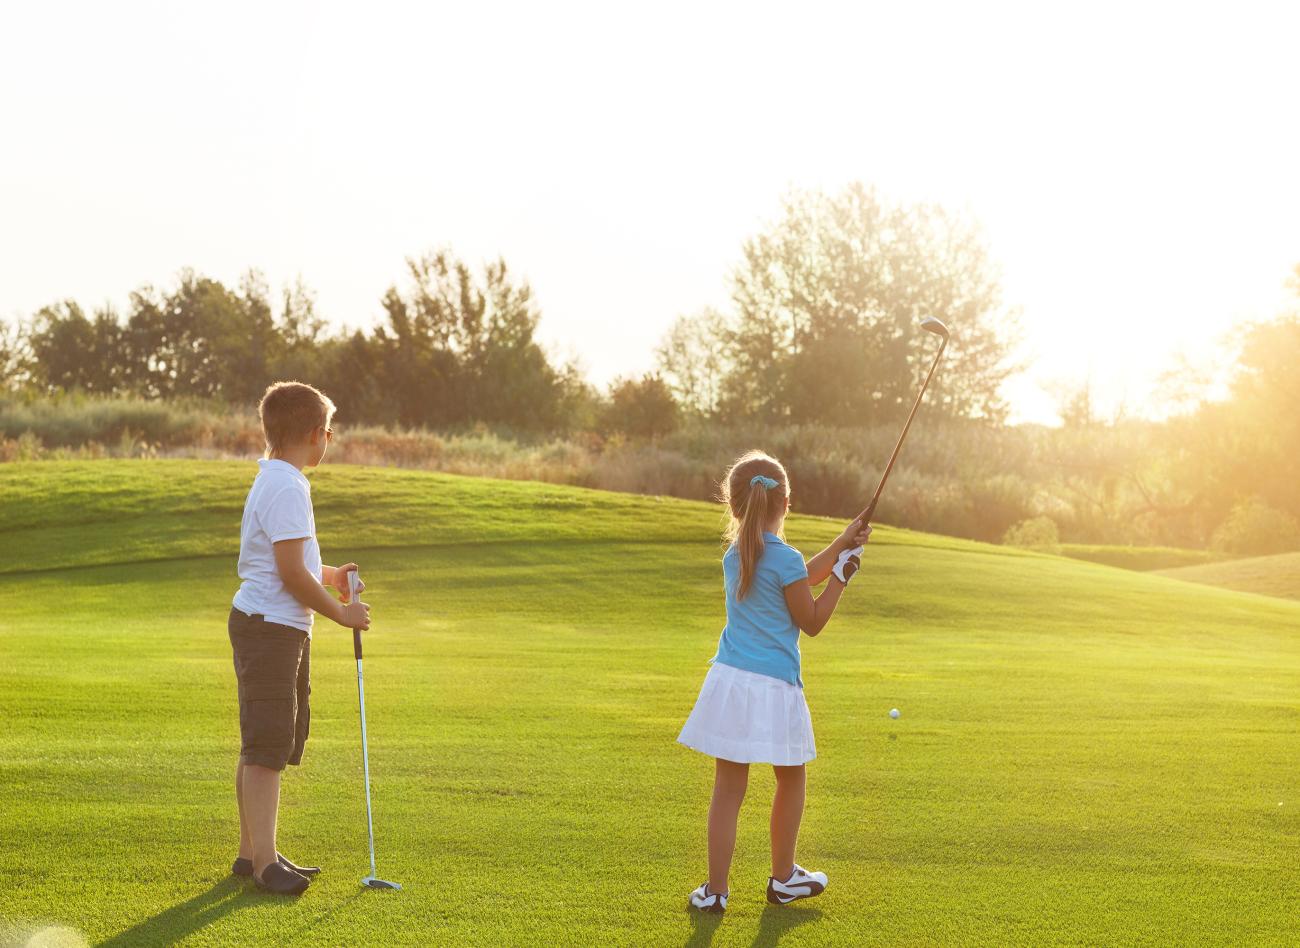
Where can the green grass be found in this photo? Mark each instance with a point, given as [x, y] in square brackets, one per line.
[1142, 558]
[1277, 575]
[1085, 755]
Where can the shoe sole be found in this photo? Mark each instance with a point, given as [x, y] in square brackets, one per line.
[308, 872]
[716, 909]
[295, 891]
[777, 900]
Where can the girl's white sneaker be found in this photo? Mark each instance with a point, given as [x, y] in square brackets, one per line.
[706, 900]
[802, 884]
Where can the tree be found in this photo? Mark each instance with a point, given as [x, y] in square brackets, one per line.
[70, 351]
[691, 361]
[349, 368]
[1252, 528]
[15, 357]
[1074, 403]
[1036, 533]
[201, 339]
[641, 408]
[1242, 450]
[298, 325]
[458, 349]
[1265, 411]
[827, 306]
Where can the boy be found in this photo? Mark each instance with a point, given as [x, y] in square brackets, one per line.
[270, 622]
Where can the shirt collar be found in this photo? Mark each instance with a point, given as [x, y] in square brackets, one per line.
[275, 464]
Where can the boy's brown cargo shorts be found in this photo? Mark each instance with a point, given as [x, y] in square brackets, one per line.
[273, 668]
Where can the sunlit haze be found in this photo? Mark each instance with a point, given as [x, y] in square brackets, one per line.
[1134, 166]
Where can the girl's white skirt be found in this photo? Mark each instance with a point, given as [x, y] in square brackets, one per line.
[750, 719]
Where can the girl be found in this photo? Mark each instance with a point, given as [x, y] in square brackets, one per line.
[751, 708]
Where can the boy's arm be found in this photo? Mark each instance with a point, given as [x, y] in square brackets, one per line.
[309, 591]
[336, 577]
[809, 614]
[819, 567]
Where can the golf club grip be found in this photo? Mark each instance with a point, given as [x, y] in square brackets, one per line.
[354, 583]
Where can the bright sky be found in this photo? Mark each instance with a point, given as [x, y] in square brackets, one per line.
[1134, 166]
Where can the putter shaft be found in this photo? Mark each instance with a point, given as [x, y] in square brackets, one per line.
[354, 581]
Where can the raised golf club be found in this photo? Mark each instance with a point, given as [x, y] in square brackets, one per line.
[371, 881]
[929, 324]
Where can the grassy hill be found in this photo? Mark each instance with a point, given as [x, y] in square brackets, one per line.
[1084, 755]
[1143, 558]
[1266, 575]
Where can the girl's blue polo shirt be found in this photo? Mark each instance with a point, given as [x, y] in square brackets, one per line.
[760, 635]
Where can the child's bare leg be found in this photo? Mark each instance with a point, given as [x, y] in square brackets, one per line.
[787, 811]
[245, 841]
[729, 783]
[261, 802]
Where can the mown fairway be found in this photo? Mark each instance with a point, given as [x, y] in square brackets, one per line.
[1086, 755]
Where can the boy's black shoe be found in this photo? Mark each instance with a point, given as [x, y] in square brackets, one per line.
[244, 867]
[276, 878]
[301, 870]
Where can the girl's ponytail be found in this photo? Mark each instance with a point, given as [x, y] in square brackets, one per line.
[756, 487]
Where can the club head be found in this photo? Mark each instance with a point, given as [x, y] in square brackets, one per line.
[370, 882]
[930, 324]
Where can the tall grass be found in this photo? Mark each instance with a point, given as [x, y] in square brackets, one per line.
[962, 479]
[116, 426]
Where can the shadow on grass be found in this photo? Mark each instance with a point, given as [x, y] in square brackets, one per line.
[705, 925]
[185, 918]
[325, 915]
[777, 920]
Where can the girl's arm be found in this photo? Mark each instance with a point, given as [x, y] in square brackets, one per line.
[819, 567]
[809, 614]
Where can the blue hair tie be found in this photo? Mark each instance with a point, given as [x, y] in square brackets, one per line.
[759, 480]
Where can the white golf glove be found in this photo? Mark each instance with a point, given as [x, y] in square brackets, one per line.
[848, 564]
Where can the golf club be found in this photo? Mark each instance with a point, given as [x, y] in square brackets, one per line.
[929, 324]
[370, 881]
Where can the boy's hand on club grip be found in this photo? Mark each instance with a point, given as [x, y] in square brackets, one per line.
[341, 581]
[355, 615]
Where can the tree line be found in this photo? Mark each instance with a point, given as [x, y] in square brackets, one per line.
[824, 324]
[454, 347]
[822, 333]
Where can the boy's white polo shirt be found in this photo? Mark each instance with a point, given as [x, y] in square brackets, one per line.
[278, 508]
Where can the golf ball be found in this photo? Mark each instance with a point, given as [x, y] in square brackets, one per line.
[893, 713]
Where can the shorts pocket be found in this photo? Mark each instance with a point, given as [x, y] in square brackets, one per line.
[268, 719]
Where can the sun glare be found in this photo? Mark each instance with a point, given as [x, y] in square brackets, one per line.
[1133, 167]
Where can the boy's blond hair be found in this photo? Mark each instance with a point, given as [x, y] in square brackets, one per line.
[290, 411]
